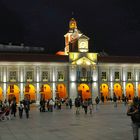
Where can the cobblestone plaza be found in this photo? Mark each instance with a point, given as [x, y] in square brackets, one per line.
[108, 123]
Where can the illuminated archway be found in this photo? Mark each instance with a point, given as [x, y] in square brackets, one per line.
[13, 91]
[104, 90]
[139, 90]
[84, 91]
[1, 95]
[130, 90]
[46, 92]
[30, 92]
[61, 91]
[118, 90]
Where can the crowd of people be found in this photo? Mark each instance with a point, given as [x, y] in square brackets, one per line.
[50, 104]
[8, 109]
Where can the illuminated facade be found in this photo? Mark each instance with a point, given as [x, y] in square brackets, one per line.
[76, 72]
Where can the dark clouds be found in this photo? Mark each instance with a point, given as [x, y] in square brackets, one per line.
[112, 25]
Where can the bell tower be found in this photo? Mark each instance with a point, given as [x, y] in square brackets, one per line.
[73, 34]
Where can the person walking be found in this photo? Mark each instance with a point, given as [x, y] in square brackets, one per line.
[115, 100]
[70, 103]
[77, 105]
[90, 104]
[13, 107]
[134, 112]
[27, 107]
[85, 105]
[20, 109]
[97, 101]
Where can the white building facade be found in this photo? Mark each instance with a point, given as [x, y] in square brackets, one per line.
[78, 72]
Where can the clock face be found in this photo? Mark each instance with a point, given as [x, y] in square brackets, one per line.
[82, 44]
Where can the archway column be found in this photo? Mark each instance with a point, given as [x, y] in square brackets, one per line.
[124, 88]
[136, 88]
[21, 73]
[111, 89]
[4, 82]
[37, 73]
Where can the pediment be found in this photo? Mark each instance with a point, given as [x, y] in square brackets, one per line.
[83, 61]
[83, 37]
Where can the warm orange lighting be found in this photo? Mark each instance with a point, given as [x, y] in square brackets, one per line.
[30, 93]
[83, 89]
[104, 90]
[13, 91]
[130, 90]
[118, 90]
[60, 53]
[46, 92]
[61, 89]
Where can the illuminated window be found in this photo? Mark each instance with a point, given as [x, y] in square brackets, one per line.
[103, 77]
[129, 76]
[12, 76]
[60, 76]
[117, 75]
[45, 76]
[29, 76]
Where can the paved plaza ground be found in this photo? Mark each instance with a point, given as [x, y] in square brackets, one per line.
[108, 123]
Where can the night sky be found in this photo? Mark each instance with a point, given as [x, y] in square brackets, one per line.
[113, 26]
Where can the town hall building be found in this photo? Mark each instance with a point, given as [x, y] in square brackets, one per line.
[76, 71]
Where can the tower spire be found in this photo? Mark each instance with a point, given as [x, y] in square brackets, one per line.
[72, 23]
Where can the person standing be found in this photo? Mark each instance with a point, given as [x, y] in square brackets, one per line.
[134, 112]
[90, 104]
[70, 103]
[27, 107]
[97, 100]
[115, 100]
[13, 107]
[85, 105]
[77, 105]
[20, 109]
[51, 104]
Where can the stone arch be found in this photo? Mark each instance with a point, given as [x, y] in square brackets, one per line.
[1, 94]
[139, 90]
[61, 91]
[46, 92]
[130, 91]
[104, 90]
[30, 92]
[13, 91]
[84, 91]
[117, 90]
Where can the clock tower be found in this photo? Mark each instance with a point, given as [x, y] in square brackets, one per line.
[72, 35]
[83, 44]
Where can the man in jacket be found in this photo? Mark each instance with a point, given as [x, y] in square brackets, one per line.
[134, 112]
